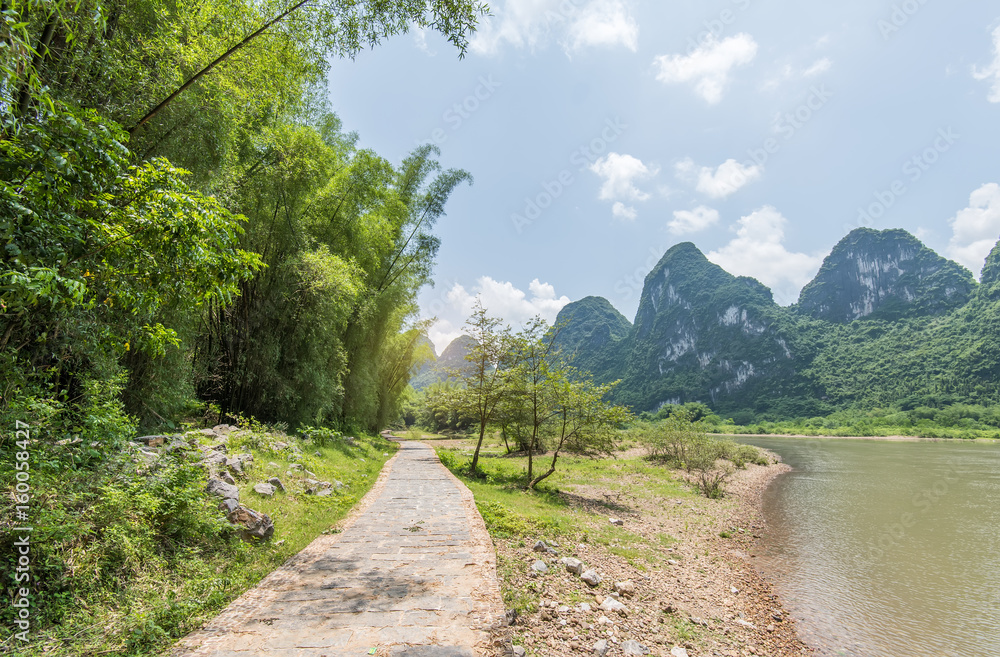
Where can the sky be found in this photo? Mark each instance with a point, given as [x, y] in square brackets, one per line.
[602, 132]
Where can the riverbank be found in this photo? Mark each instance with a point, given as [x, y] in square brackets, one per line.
[682, 563]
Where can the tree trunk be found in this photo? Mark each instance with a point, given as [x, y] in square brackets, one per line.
[552, 468]
[474, 467]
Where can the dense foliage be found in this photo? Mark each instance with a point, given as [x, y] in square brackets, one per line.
[187, 231]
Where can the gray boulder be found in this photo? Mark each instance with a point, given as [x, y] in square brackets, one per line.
[572, 565]
[228, 505]
[591, 578]
[610, 604]
[600, 648]
[633, 647]
[274, 481]
[264, 489]
[222, 489]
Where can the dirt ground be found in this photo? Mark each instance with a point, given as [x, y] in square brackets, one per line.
[700, 596]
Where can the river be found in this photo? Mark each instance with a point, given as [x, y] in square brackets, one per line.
[887, 549]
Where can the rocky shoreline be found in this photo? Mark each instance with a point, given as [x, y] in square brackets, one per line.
[698, 595]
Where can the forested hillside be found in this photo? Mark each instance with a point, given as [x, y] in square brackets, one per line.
[885, 322]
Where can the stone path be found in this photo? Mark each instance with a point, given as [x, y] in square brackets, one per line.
[413, 574]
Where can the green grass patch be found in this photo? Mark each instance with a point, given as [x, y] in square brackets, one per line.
[126, 561]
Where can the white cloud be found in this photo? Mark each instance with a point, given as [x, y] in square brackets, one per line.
[725, 180]
[624, 212]
[420, 39]
[976, 228]
[693, 221]
[604, 23]
[620, 174]
[709, 66]
[993, 70]
[534, 24]
[789, 72]
[758, 251]
[501, 298]
[820, 66]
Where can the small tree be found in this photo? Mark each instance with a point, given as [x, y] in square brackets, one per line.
[582, 422]
[532, 401]
[486, 375]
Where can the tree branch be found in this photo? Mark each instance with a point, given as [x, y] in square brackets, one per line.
[218, 60]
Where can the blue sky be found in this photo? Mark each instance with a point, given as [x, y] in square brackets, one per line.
[602, 132]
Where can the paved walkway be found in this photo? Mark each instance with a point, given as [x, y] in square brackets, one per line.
[412, 575]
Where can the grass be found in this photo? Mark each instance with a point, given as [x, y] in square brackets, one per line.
[554, 511]
[165, 588]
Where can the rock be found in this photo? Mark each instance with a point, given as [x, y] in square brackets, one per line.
[177, 444]
[318, 454]
[591, 578]
[746, 624]
[264, 489]
[274, 481]
[540, 546]
[673, 562]
[207, 432]
[626, 588]
[327, 492]
[572, 565]
[228, 478]
[677, 651]
[214, 459]
[223, 429]
[518, 651]
[235, 466]
[222, 489]
[610, 604]
[228, 505]
[296, 466]
[600, 648]
[148, 441]
[633, 647]
[733, 590]
[148, 457]
[770, 628]
[254, 525]
[540, 567]
[604, 620]
[584, 607]
[279, 446]
[616, 521]
[272, 465]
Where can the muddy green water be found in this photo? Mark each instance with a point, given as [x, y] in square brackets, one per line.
[887, 549]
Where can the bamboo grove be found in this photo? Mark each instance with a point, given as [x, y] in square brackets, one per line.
[183, 219]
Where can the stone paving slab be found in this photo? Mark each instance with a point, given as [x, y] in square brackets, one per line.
[412, 574]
